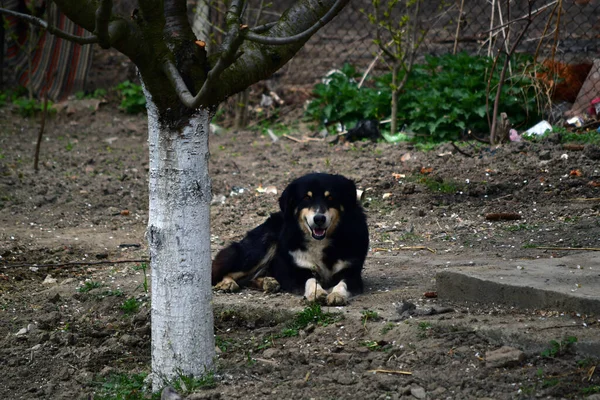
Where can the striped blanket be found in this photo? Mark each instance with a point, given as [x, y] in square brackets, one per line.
[51, 65]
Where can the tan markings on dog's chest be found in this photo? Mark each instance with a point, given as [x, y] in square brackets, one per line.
[312, 259]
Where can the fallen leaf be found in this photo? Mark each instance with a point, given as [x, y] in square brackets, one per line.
[398, 176]
[575, 172]
[426, 171]
[405, 157]
[125, 212]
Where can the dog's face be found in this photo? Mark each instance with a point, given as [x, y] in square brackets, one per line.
[317, 202]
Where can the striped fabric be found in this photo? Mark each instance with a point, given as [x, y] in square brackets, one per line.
[58, 67]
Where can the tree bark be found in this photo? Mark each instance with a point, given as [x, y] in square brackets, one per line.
[179, 240]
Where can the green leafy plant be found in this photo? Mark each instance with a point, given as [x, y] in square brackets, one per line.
[143, 267]
[369, 315]
[376, 345]
[88, 285]
[29, 107]
[559, 348]
[133, 100]
[430, 105]
[123, 387]
[130, 306]
[311, 314]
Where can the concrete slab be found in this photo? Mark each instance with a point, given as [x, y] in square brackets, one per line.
[570, 284]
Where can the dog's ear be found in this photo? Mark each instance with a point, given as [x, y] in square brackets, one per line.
[286, 201]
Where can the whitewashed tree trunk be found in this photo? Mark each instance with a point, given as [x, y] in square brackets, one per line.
[179, 240]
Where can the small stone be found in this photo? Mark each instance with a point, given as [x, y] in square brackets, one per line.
[418, 392]
[504, 357]
[21, 332]
[271, 353]
[49, 280]
[545, 155]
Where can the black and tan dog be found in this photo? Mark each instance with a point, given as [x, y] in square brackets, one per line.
[318, 241]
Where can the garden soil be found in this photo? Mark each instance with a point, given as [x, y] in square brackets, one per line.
[70, 331]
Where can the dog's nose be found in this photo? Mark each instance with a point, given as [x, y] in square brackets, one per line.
[320, 219]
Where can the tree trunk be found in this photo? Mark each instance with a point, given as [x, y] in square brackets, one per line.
[179, 241]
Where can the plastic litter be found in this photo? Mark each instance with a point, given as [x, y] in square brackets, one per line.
[539, 129]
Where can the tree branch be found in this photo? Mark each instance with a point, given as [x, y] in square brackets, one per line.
[231, 43]
[51, 29]
[278, 41]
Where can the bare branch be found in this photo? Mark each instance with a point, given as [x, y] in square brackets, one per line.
[278, 41]
[263, 28]
[102, 20]
[231, 43]
[51, 29]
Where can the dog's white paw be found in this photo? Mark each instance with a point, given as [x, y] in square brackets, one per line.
[313, 292]
[337, 299]
[227, 285]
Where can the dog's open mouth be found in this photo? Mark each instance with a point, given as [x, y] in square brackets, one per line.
[318, 234]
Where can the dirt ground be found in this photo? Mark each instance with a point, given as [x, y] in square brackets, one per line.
[68, 332]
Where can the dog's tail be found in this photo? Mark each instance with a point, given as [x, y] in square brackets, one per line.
[249, 258]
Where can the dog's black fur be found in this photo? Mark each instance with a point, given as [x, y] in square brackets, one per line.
[292, 246]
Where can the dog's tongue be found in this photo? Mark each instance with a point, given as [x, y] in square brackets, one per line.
[319, 232]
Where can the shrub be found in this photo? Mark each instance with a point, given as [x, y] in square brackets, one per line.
[443, 97]
[133, 99]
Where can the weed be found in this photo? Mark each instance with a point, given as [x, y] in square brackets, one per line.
[110, 293]
[188, 384]
[88, 285]
[376, 345]
[437, 185]
[130, 306]
[123, 387]
[424, 329]
[29, 107]
[223, 344]
[369, 315]
[559, 348]
[313, 314]
[590, 390]
[387, 327]
[69, 146]
[143, 267]
[133, 100]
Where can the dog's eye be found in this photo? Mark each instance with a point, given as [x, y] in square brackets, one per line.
[329, 198]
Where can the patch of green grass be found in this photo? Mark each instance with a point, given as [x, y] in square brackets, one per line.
[123, 387]
[88, 285]
[111, 293]
[590, 390]
[424, 329]
[313, 314]
[436, 185]
[559, 348]
[387, 327]
[530, 246]
[130, 306]
[189, 384]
